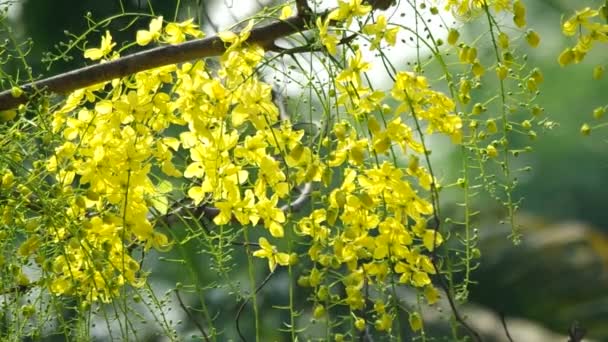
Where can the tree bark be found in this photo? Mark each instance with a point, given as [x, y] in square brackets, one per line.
[65, 83]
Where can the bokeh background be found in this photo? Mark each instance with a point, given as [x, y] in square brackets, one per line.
[556, 276]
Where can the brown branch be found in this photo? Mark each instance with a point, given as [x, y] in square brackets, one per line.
[18, 289]
[170, 54]
[303, 8]
[381, 4]
[65, 83]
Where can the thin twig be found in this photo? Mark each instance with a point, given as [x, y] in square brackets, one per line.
[198, 326]
[242, 307]
[504, 325]
[435, 202]
[442, 283]
[365, 335]
[19, 289]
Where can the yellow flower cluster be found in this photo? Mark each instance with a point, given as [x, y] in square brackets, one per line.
[425, 103]
[375, 223]
[584, 23]
[465, 8]
[213, 126]
[346, 12]
[110, 148]
[116, 134]
[245, 160]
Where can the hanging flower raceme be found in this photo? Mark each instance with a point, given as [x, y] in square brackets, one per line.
[244, 159]
[426, 104]
[115, 135]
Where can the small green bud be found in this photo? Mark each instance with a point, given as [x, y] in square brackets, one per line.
[598, 112]
[453, 36]
[16, 92]
[532, 38]
[598, 72]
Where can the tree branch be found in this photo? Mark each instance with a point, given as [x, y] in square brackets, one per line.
[504, 325]
[171, 54]
[264, 36]
[303, 8]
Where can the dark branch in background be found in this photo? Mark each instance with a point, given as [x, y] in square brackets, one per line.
[303, 8]
[504, 326]
[242, 306]
[210, 212]
[457, 316]
[381, 4]
[576, 333]
[192, 318]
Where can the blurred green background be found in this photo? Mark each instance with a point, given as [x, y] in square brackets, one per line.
[557, 275]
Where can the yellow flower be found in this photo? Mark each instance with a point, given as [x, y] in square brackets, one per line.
[272, 216]
[354, 297]
[420, 278]
[269, 252]
[356, 66]
[431, 239]
[431, 294]
[98, 53]
[360, 324]
[570, 26]
[235, 40]
[585, 129]
[176, 32]
[286, 12]
[384, 323]
[197, 167]
[242, 210]
[380, 32]
[415, 321]
[347, 10]
[532, 38]
[145, 37]
[519, 14]
[329, 40]
[491, 151]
